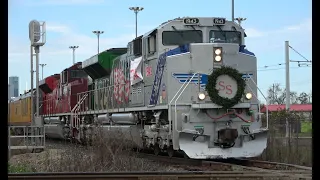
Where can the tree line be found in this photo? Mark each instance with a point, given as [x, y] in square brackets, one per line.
[277, 95]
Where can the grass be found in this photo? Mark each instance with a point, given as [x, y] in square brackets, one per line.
[306, 127]
[290, 152]
[108, 153]
[21, 168]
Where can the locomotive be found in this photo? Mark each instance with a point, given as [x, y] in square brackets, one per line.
[189, 85]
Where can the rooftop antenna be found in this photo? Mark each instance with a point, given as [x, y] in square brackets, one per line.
[240, 19]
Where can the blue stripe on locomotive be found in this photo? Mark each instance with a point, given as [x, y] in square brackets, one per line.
[181, 76]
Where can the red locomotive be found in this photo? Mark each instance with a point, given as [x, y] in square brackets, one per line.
[60, 91]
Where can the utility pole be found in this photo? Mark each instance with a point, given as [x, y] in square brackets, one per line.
[37, 51]
[73, 53]
[136, 11]
[232, 10]
[42, 65]
[98, 35]
[31, 84]
[287, 60]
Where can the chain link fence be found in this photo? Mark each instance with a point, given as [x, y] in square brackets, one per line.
[290, 138]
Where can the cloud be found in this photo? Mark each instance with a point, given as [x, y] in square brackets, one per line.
[299, 35]
[61, 36]
[65, 36]
[63, 2]
[72, 2]
[251, 32]
[58, 28]
[305, 26]
[58, 44]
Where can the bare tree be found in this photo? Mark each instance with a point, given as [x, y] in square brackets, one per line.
[274, 93]
[277, 95]
[310, 97]
[304, 98]
[293, 97]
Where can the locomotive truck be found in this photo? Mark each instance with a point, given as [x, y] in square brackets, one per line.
[188, 85]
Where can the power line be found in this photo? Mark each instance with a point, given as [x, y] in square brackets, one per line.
[282, 68]
[266, 66]
[307, 60]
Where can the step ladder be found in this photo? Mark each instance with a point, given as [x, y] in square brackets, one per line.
[75, 119]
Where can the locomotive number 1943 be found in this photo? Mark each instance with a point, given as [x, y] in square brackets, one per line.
[191, 21]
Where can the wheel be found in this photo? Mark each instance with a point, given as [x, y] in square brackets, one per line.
[156, 149]
[170, 151]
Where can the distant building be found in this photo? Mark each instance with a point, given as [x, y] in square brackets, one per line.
[13, 86]
[305, 109]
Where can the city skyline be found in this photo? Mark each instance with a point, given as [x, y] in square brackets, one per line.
[13, 87]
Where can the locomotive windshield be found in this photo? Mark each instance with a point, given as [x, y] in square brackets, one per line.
[170, 38]
[225, 37]
[78, 74]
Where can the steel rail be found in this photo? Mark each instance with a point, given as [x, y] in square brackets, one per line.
[151, 175]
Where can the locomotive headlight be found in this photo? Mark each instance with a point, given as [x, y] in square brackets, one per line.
[201, 96]
[248, 96]
[217, 51]
[217, 58]
[217, 55]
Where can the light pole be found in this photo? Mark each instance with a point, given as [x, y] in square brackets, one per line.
[232, 10]
[136, 10]
[98, 35]
[73, 52]
[287, 60]
[42, 65]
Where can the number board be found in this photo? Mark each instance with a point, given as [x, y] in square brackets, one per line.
[191, 21]
[219, 21]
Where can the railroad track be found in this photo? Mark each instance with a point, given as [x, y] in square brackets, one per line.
[213, 175]
[233, 165]
[195, 169]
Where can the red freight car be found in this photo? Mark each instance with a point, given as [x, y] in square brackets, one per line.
[63, 96]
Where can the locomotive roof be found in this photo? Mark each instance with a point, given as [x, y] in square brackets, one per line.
[179, 19]
[74, 66]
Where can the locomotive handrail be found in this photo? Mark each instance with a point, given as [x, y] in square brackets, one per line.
[185, 85]
[79, 102]
[267, 110]
[74, 116]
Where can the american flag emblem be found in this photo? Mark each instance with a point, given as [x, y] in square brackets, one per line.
[148, 71]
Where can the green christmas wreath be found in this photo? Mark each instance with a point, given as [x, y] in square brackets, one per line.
[214, 93]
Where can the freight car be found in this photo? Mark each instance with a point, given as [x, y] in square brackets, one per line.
[19, 112]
